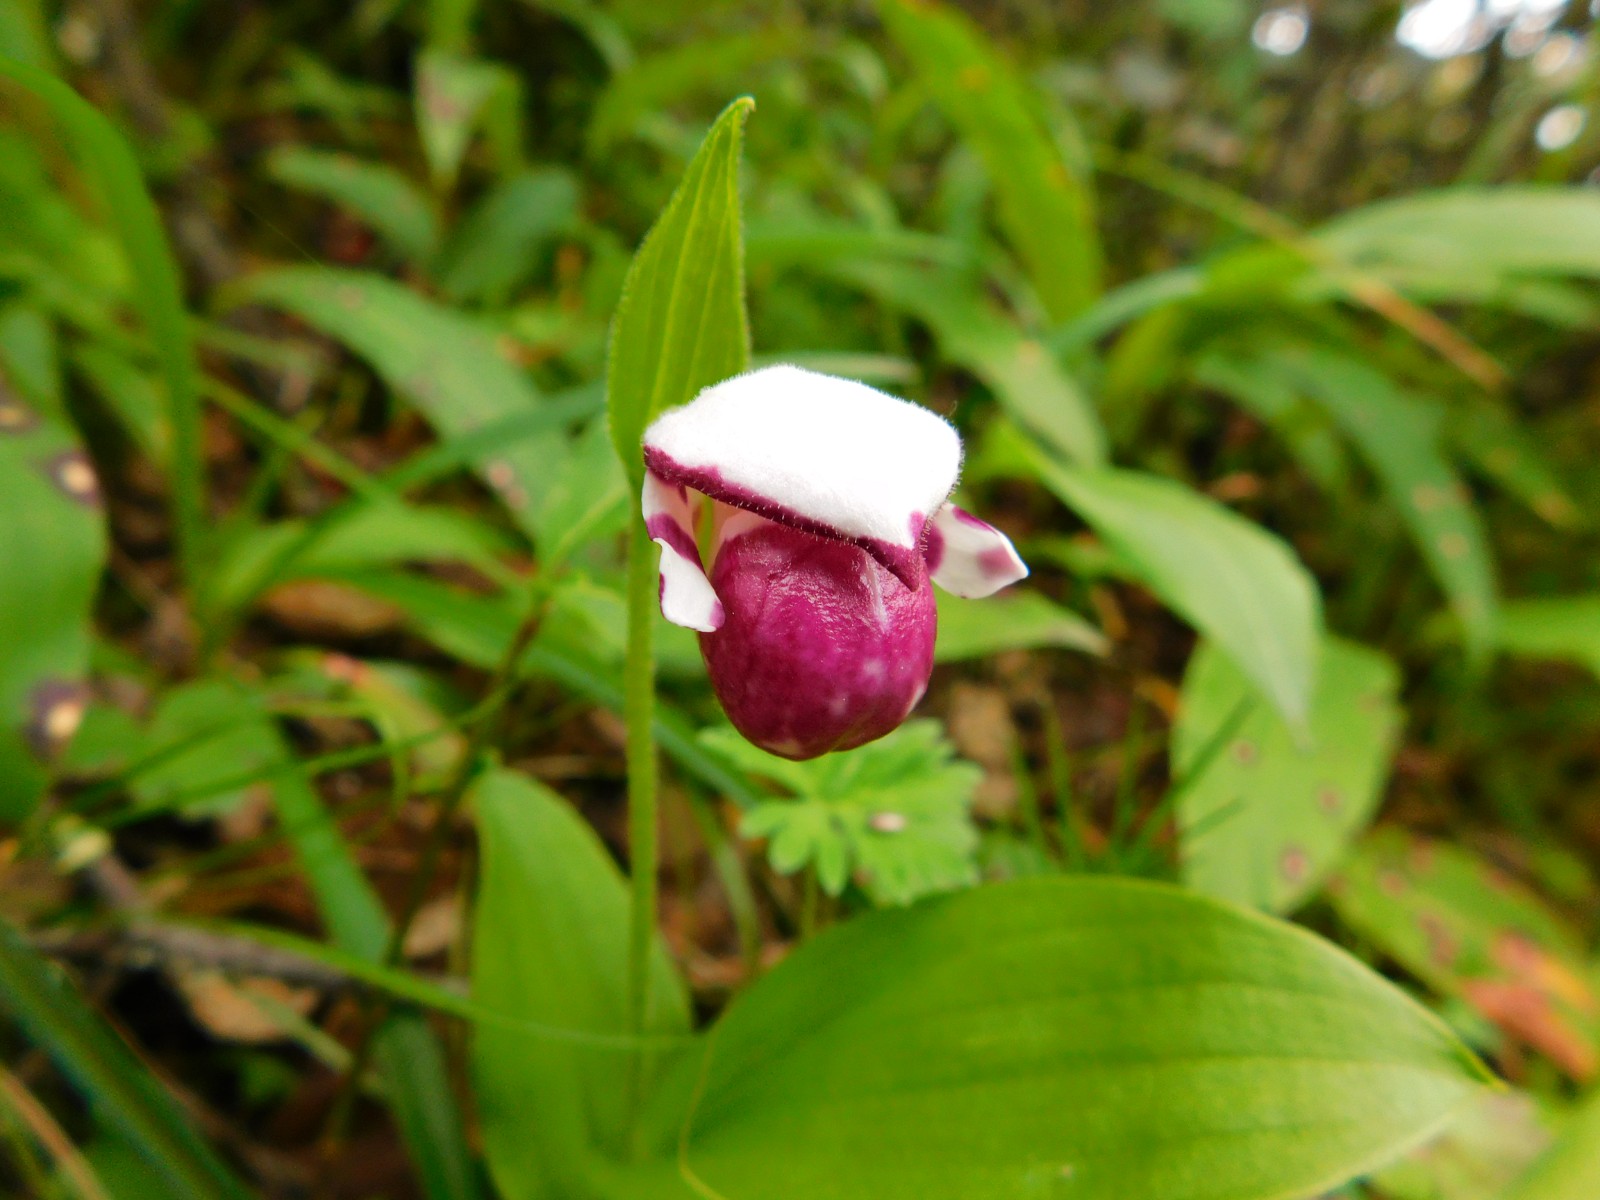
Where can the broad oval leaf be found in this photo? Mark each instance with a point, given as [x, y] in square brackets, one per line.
[1045, 204]
[1234, 581]
[550, 946]
[1093, 1039]
[1266, 813]
[681, 324]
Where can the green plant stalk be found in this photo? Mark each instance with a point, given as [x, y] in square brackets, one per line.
[638, 710]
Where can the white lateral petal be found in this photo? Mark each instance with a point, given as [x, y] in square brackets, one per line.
[687, 597]
[823, 454]
[970, 557]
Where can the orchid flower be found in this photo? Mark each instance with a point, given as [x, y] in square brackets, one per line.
[829, 517]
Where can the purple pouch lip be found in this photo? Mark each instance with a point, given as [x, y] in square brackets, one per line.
[816, 618]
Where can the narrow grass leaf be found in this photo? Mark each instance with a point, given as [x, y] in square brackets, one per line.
[115, 1083]
[448, 365]
[1046, 208]
[1014, 620]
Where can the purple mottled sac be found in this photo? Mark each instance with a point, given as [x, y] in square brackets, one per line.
[817, 621]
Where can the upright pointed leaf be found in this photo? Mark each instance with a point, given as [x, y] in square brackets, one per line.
[681, 324]
[1087, 1038]
[1234, 581]
[1269, 813]
[1046, 208]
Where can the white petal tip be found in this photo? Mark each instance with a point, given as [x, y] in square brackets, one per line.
[971, 558]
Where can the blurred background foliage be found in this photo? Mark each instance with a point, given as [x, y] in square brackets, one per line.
[310, 523]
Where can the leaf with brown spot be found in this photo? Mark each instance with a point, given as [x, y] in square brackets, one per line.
[1468, 930]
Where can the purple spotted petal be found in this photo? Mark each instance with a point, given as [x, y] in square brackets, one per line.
[969, 557]
[821, 648]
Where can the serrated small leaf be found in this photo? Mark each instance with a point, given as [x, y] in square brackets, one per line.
[892, 814]
[681, 324]
[1269, 812]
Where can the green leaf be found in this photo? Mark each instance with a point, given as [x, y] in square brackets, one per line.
[1269, 813]
[409, 1056]
[550, 945]
[1571, 1170]
[1093, 1038]
[1045, 207]
[377, 193]
[454, 93]
[446, 364]
[1558, 627]
[115, 1083]
[1014, 620]
[477, 629]
[1497, 445]
[156, 282]
[359, 533]
[53, 544]
[1459, 234]
[893, 815]
[497, 244]
[709, 64]
[1461, 925]
[1399, 436]
[681, 324]
[1235, 582]
[1023, 374]
[203, 738]
[132, 395]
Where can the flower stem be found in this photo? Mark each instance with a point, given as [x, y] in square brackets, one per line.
[639, 701]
